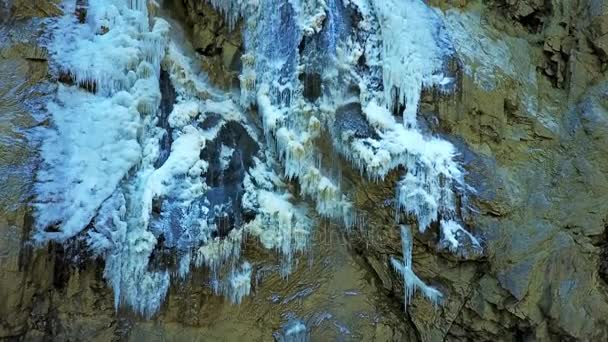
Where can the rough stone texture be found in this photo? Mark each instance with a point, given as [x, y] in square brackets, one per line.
[531, 14]
[541, 176]
[217, 45]
[599, 27]
[572, 35]
[23, 9]
[542, 189]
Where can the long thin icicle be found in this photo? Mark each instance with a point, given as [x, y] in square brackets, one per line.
[411, 282]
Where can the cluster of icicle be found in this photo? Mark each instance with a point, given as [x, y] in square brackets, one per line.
[273, 30]
[100, 139]
[407, 41]
[412, 51]
[99, 170]
[100, 178]
[411, 282]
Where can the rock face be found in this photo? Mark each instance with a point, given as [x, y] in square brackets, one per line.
[218, 44]
[533, 133]
[39, 288]
[57, 292]
[23, 9]
[540, 179]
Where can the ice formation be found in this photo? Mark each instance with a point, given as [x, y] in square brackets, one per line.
[269, 80]
[239, 283]
[99, 157]
[428, 189]
[280, 225]
[95, 143]
[413, 52]
[93, 147]
[411, 282]
[106, 178]
[295, 330]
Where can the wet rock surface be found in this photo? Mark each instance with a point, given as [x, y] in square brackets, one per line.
[541, 208]
[218, 45]
[230, 155]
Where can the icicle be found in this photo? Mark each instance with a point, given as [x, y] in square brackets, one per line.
[231, 9]
[279, 224]
[411, 52]
[218, 251]
[239, 283]
[411, 282]
[100, 160]
[417, 197]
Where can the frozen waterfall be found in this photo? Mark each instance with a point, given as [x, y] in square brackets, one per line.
[105, 180]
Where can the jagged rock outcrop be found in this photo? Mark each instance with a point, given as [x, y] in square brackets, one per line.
[572, 35]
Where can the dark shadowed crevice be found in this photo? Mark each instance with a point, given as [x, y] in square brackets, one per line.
[168, 98]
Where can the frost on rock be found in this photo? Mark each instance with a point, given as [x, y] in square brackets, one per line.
[411, 282]
[488, 54]
[490, 57]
